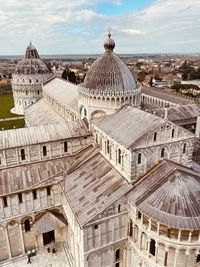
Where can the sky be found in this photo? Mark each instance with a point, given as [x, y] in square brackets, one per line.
[80, 26]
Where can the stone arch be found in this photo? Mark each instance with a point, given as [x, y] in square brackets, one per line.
[143, 245]
[97, 113]
[163, 152]
[80, 109]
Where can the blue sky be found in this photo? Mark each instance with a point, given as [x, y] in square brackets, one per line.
[79, 26]
[126, 6]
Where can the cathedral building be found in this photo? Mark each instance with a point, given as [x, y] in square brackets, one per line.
[114, 185]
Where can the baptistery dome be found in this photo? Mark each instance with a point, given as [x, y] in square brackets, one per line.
[109, 72]
[30, 73]
[32, 63]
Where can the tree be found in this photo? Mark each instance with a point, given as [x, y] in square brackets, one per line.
[69, 75]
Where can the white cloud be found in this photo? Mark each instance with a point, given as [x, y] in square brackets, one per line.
[132, 32]
[72, 26]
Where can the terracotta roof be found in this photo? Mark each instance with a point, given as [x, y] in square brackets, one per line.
[92, 186]
[170, 194]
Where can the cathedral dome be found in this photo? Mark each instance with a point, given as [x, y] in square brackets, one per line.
[109, 73]
[32, 63]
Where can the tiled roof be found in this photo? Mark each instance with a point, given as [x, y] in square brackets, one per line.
[170, 194]
[128, 125]
[109, 74]
[93, 185]
[41, 113]
[178, 113]
[41, 134]
[24, 177]
[161, 94]
[64, 92]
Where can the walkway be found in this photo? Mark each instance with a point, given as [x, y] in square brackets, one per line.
[61, 258]
[13, 118]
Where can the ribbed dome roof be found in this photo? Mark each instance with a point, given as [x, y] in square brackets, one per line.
[109, 72]
[32, 63]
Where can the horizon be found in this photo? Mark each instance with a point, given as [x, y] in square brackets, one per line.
[120, 54]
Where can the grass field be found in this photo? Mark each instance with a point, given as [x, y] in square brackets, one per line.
[11, 124]
[6, 103]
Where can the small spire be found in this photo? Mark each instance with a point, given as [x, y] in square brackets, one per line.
[109, 31]
[109, 44]
[30, 43]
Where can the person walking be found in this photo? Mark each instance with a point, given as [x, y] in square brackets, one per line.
[29, 259]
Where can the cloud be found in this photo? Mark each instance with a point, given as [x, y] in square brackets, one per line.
[72, 26]
[132, 32]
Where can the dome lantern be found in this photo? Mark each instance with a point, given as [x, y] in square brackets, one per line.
[31, 52]
[109, 44]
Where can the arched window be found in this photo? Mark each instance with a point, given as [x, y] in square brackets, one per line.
[85, 112]
[48, 190]
[131, 228]
[155, 137]
[139, 215]
[44, 151]
[30, 81]
[172, 133]
[119, 208]
[65, 146]
[139, 158]
[36, 80]
[117, 254]
[152, 248]
[96, 139]
[20, 198]
[198, 258]
[27, 225]
[162, 152]
[119, 156]
[108, 146]
[184, 148]
[23, 156]
[38, 92]
[34, 192]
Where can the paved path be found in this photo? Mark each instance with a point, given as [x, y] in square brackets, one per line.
[12, 119]
[45, 259]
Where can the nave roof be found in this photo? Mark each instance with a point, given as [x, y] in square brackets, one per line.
[42, 134]
[64, 92]
[40, 113]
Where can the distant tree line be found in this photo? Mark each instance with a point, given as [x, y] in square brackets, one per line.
[188, 72]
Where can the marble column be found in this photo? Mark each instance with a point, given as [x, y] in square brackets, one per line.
[176, 258]
[8, 242]
[22, 237]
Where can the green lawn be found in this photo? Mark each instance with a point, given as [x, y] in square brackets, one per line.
[6, 103]
[11, 124]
